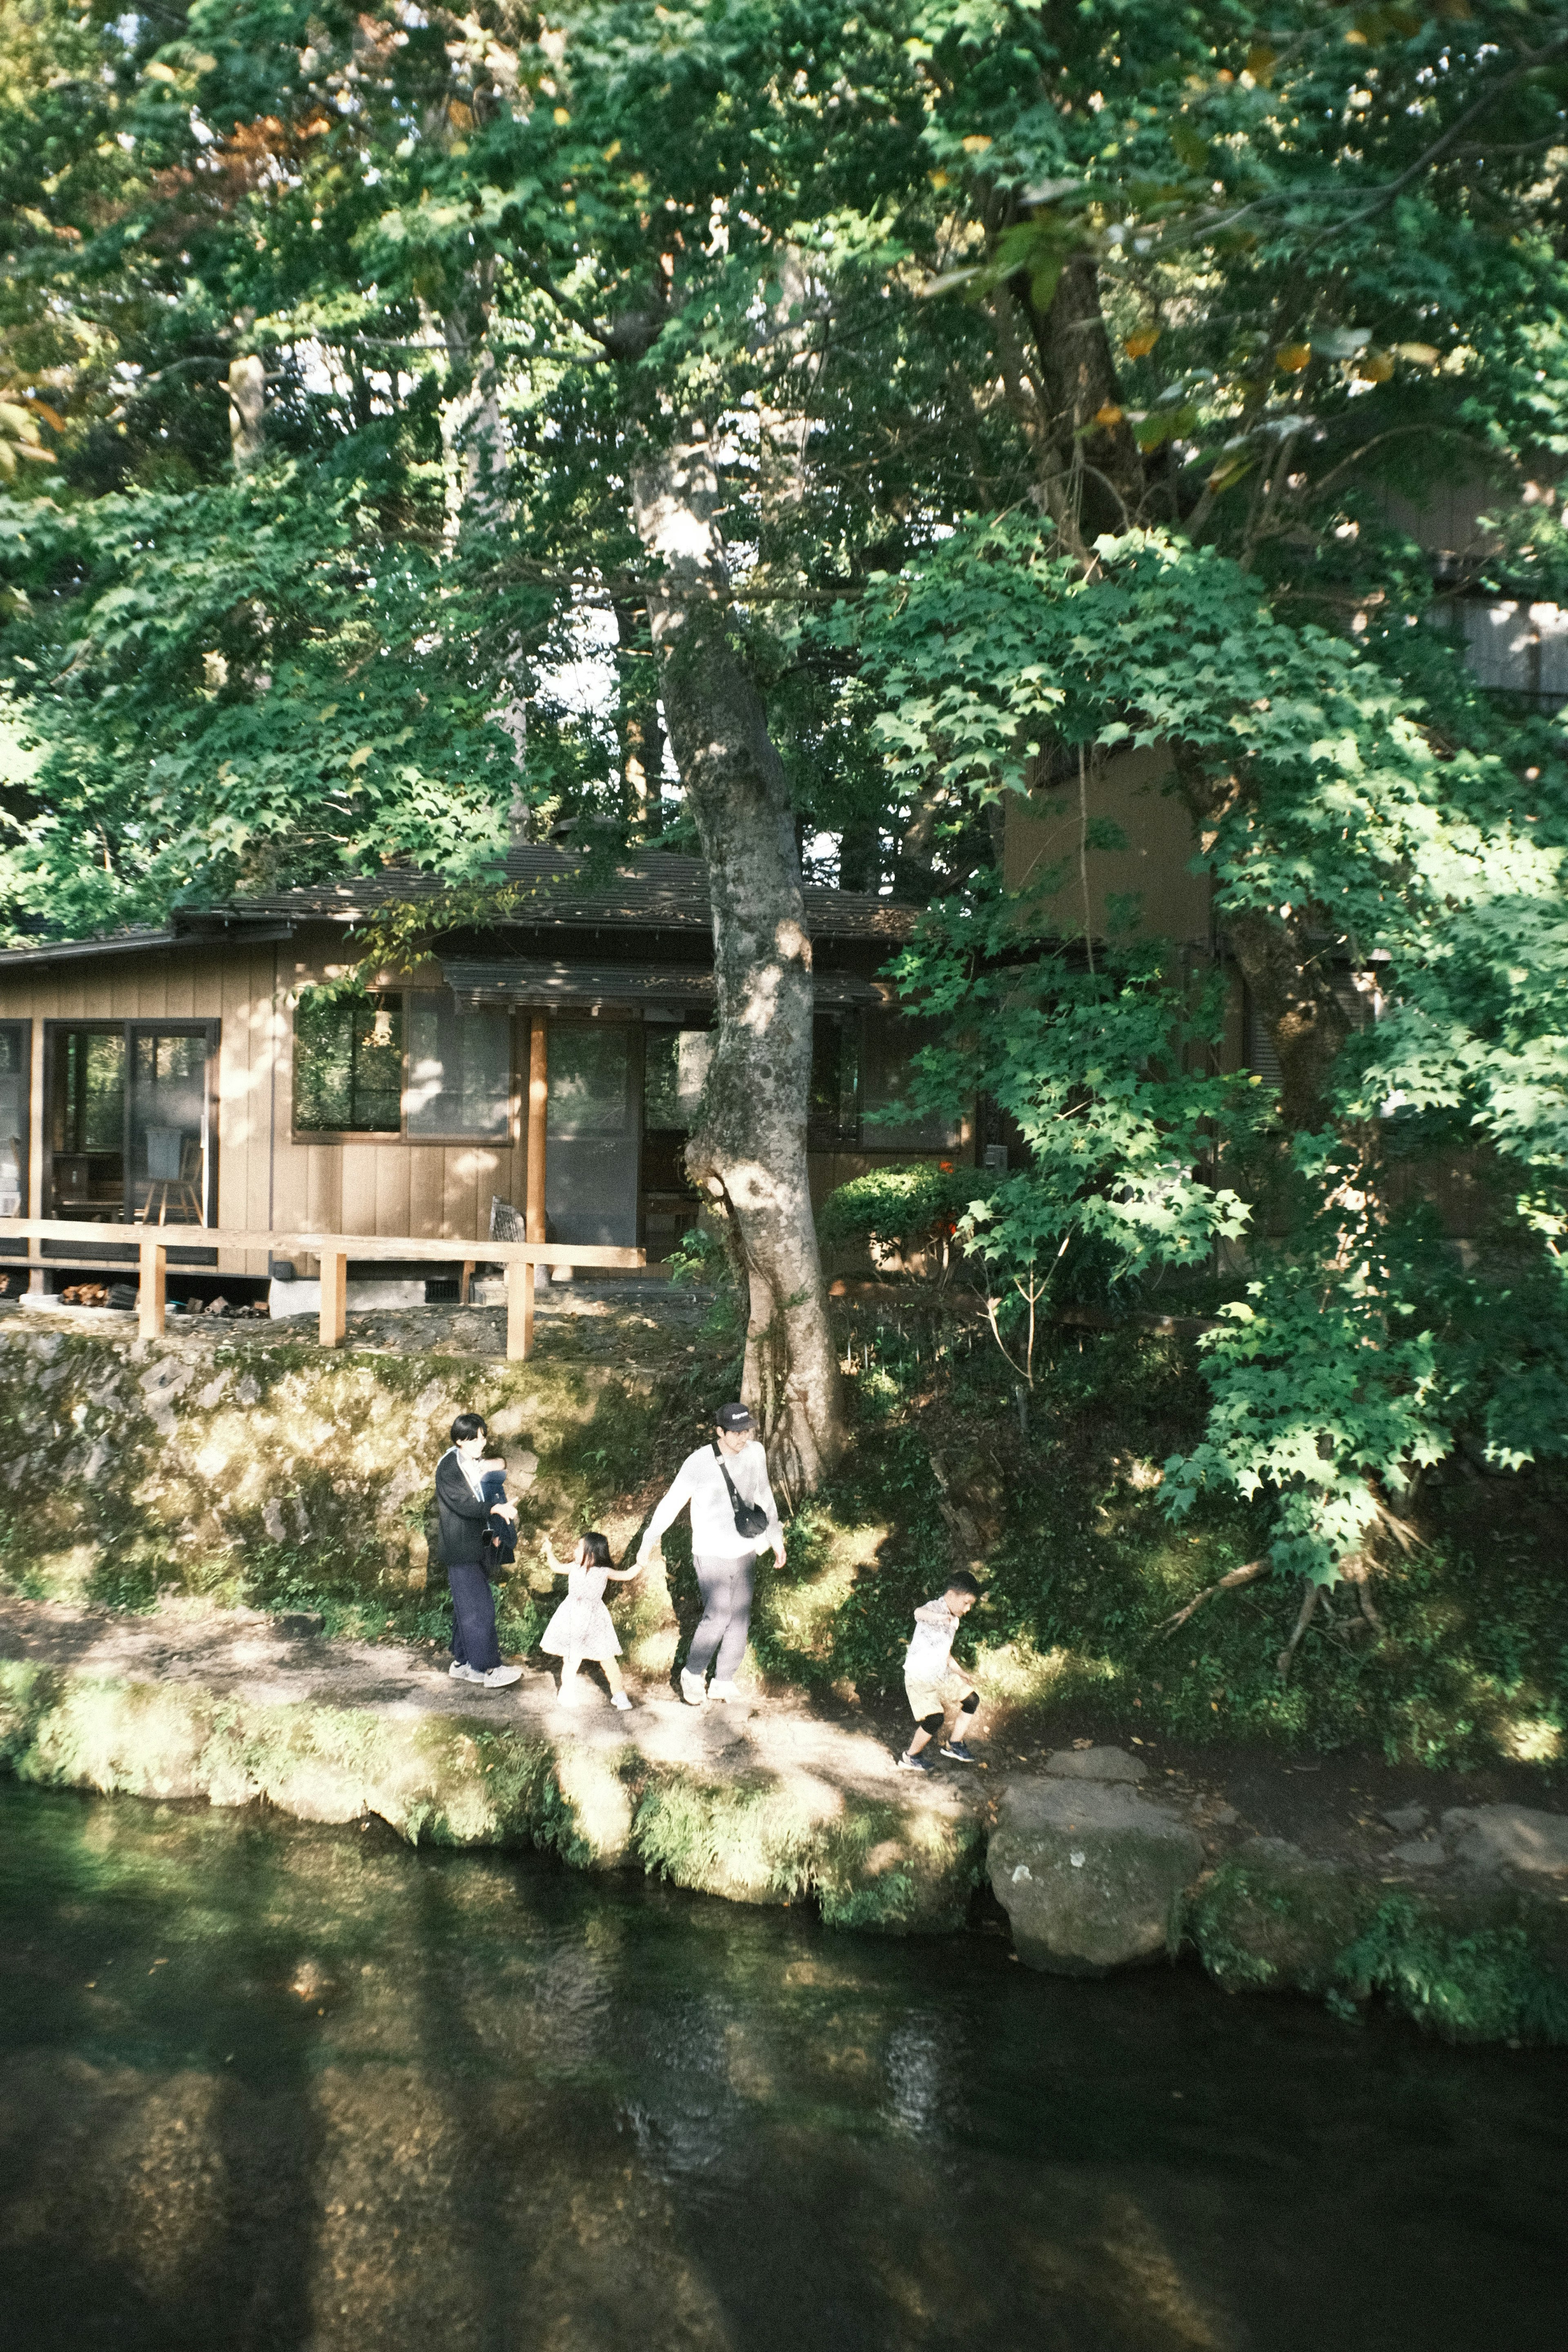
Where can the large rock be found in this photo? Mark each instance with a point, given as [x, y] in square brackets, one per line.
[1091, 1875]
[1509, 1837]
[1271, 1915]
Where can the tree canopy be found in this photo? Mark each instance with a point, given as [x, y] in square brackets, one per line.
[1067, 376]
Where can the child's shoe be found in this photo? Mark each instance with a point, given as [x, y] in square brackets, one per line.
[957, 1753]
[499, 1677]
[569, 1694]
[693, 1690]
[908, 1763]
[728, 1694]
[459, 1673]
[620, 1702]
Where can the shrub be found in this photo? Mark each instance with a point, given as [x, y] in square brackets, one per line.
[904, 1210]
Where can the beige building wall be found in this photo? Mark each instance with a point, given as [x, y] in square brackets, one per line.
[269, 1179]
[1045, 834]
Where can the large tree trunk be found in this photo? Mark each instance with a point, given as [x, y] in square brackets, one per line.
[748, 1149]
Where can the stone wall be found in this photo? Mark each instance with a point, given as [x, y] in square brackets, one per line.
[229, 1467]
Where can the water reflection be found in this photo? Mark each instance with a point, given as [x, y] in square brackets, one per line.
[270, 2086]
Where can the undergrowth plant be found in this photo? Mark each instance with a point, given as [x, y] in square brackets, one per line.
[1084, 1570]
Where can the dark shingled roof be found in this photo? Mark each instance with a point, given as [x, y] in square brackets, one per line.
[651, 891]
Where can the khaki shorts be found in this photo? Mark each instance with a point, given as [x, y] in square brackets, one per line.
[935, 1698]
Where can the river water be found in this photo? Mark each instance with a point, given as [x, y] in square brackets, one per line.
[267, 2085]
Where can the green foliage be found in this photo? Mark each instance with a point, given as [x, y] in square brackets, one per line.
[1264, 1922]
[908, 1209]
[1361, 1353]
[1083, 1570]
[699, 1258]
[1487, 1984]
[1103, 1073]
[487, 268]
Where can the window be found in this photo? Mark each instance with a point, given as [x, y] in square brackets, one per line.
[13, 1042]
[348, 1067]
[891, 1045]
[590, 1082]
[675, 1072]
[460, 1070]
[834, 1113]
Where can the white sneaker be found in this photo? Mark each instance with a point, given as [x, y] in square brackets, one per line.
[727, 1694]
[459, 1673]
[693, 1690]
[568, 1696]
[499, 1677]
[620, 1702]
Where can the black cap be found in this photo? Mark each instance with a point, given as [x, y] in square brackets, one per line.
[733, 1416]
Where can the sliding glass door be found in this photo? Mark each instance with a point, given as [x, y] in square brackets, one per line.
[131, 1126]
[16, 1038]
[167, 1157]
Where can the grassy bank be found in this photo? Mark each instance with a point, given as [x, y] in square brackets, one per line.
[1084, 1568]
[269, 1474]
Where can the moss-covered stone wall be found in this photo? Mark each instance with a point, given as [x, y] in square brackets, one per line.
[750, 1835]
[267, 1473]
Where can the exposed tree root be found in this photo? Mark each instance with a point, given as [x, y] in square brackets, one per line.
[1304, 1618]
[1248, 1575]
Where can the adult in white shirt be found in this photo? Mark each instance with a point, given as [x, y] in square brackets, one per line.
[724, 1558]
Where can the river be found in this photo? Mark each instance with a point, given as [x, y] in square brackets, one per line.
[264, 2086]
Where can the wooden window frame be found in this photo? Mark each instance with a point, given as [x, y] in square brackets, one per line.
[378, 1139]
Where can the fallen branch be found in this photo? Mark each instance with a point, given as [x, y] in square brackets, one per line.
[1248, 1575]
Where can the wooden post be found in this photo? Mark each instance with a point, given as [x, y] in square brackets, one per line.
[334, 1296]
[518, 1309]
[464, 1279]
[537, 1115]
[152, 1291]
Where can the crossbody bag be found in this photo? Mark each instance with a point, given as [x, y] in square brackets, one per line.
[749, 1517]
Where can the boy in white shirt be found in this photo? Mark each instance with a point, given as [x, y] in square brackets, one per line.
[733, 1517]
[931, 1680]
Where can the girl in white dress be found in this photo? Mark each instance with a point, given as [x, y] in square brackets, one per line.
[581, 1627]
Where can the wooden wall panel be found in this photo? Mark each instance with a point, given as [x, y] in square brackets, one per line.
[426, 1176]
[358, 1185]
[390, 1211]
[459, 1192]
[324, 1188]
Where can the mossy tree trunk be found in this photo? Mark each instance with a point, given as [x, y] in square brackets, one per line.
[748, 1148]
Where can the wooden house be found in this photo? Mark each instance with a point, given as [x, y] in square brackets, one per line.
[180, 1077]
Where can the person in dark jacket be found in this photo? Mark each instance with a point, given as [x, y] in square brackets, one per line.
[463, 1512]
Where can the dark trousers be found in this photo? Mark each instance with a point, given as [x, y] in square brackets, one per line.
[474, 1640]
[721, 1638]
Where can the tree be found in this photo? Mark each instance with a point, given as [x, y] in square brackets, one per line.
[1229, 312]
[1056, 375]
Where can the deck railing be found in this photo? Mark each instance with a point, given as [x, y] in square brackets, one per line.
[152, 1242]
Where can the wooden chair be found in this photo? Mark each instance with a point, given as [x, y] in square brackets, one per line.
[167, 1147]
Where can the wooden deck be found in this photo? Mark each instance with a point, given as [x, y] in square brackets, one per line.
[152, 1242]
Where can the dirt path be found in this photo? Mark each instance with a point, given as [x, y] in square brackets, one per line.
[244, 1654]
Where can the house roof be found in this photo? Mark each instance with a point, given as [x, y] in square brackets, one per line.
[503, 981]
[653, 891]
[650, 891]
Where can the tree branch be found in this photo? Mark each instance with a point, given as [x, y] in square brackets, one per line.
[1237, 1576]
[1451, 137]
